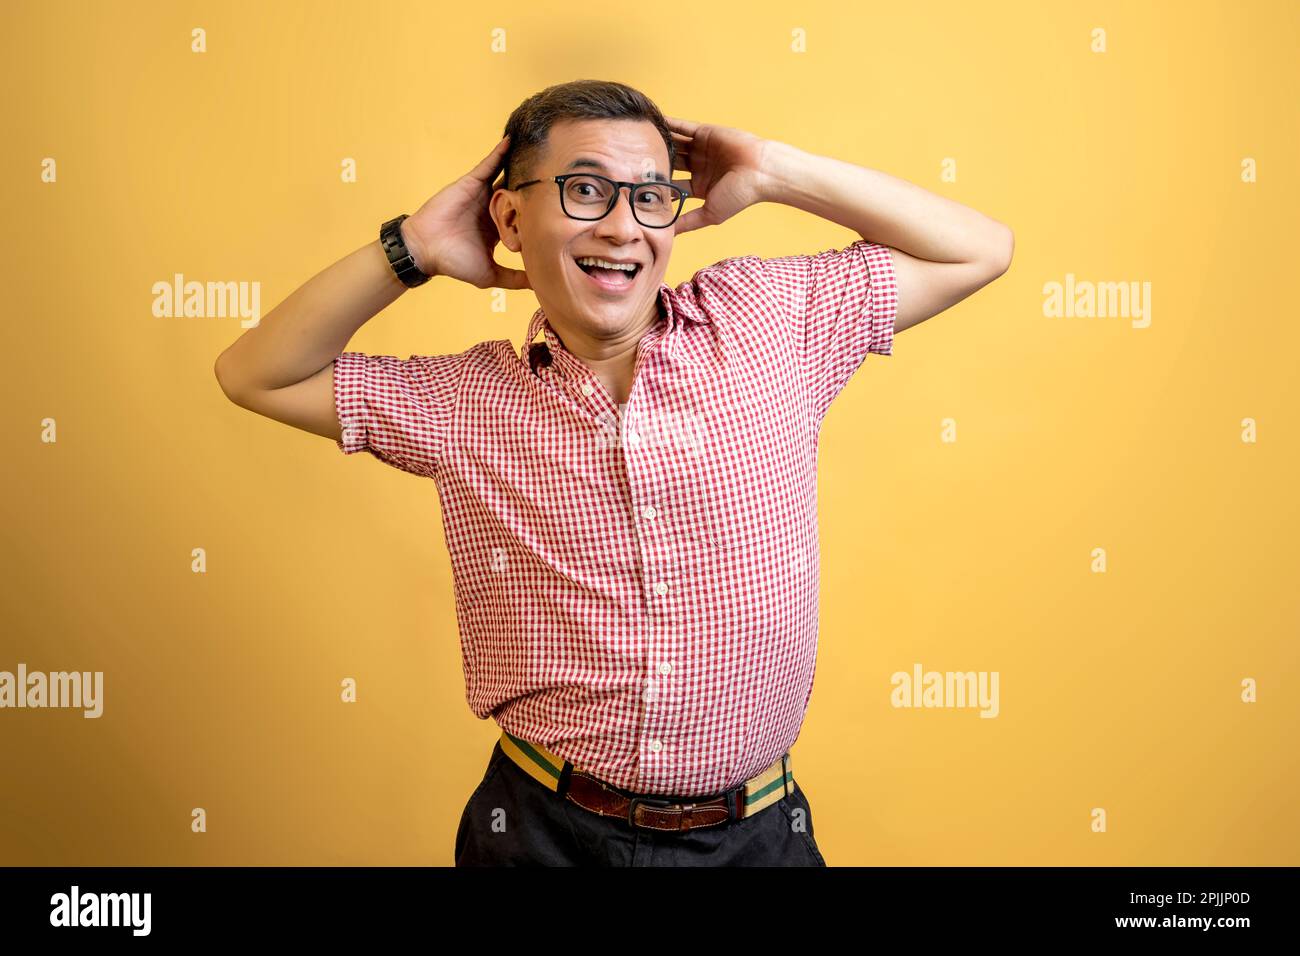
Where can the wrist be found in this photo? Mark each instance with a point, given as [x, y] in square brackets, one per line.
[778, 171]
[416, 247]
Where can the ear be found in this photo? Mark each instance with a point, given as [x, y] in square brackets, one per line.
[504, 209]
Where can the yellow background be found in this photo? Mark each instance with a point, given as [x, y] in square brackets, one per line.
[1118, 690]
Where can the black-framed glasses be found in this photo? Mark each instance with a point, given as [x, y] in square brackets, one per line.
[587, 196]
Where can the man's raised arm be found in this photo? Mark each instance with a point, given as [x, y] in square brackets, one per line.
[942, 251]
[283, 367]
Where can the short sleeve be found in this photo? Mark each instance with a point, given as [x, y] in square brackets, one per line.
[399, 410]
[839, 306]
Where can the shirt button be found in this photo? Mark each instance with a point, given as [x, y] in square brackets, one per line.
[633, 438]
[587, 389]
[649, 511]
[661, 588]
[665, 668]
[656, 745]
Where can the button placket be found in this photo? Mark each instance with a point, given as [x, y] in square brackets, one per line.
[658, 705]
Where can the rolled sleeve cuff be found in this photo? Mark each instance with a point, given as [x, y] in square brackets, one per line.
[350, 401]
[884, 298]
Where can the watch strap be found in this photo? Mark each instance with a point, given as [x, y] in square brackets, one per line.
[399, 257]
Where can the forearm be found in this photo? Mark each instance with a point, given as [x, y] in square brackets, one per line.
[879, 207]
[310, 328]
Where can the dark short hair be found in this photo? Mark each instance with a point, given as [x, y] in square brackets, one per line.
[530, 124]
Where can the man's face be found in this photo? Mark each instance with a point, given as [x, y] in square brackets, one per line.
[532, 223]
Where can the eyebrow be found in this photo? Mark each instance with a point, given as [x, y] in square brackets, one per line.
[657, 176]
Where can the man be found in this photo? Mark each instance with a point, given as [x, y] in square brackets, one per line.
[630, 503]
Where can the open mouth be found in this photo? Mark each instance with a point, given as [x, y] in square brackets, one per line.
[614, 279]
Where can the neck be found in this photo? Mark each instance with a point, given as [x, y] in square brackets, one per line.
[612, 359]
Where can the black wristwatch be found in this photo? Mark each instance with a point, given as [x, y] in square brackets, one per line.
[399, 257]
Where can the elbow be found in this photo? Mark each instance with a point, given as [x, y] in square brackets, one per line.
[223, 379]
[1005, 248]
[991, 253]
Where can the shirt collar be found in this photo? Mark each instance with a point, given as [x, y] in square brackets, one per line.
[539, 323]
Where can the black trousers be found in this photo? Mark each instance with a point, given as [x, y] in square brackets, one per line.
[512, 820]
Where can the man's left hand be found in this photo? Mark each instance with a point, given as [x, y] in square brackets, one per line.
[726, 167]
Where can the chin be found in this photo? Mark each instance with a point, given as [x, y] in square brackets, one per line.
[604, 321]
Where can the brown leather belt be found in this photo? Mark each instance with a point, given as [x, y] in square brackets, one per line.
[649, 813]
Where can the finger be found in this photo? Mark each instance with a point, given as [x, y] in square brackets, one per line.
[499, 149]
[491, 163]
[506, 278]
[683, 125]
[695, 219]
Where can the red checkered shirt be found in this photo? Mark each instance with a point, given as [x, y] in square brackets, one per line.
[636, 586]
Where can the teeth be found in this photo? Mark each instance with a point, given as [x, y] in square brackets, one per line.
[606, 264]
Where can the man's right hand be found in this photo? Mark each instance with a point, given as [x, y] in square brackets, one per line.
[453, 233]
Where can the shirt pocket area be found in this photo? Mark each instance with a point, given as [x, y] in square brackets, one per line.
[774, 509]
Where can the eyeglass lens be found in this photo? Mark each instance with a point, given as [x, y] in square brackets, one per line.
[588, 197]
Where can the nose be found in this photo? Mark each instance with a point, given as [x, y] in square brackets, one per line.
[619, 221]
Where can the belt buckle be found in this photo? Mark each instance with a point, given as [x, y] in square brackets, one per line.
[648, 801]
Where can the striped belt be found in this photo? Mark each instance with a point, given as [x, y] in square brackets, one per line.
[649, 813]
